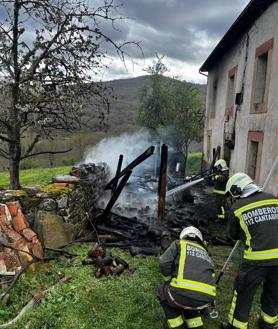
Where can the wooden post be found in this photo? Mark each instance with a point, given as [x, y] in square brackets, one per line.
[162, 185]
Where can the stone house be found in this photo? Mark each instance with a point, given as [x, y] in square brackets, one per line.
[242, 94]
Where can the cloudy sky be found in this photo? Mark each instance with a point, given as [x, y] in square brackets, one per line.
[183, 31]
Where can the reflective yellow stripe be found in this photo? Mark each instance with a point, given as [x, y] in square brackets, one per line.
[194, 285]
[182, 259]
[246, 231]
[233, 306]
[195, 245]
[234, 322]
[194, 322]
[219, 192]
[269, 319]
[249, 254]
[176, 322]
[256, 205]
[239, 324]
[261, 255]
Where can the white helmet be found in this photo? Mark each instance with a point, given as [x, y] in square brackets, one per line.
[237, 183]
[221, 165]
[191, 232]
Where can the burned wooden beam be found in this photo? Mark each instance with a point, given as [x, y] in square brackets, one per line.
[119, 168]
[116, 193]
[115, 232]
[162, 186]
[132, 165]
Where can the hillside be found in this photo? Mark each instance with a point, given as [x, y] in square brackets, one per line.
[124, 100]
[123, 108]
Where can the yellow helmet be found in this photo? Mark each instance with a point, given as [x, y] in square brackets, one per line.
[237, 183]
[221, 165]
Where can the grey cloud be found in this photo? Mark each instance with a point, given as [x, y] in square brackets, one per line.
[172, 27]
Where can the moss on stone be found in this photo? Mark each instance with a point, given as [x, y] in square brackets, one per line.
[19, 193]
[30, 202]
[50, 188]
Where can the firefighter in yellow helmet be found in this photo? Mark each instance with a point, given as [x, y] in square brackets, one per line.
[254, 220]
[220, 180]
[192, 284]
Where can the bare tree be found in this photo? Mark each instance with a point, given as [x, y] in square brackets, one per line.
[50, 50]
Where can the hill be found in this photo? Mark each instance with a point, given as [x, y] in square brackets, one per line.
[122, 115]
[124, 100]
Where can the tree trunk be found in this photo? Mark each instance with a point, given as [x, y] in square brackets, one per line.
[15, 153]
[14, 120]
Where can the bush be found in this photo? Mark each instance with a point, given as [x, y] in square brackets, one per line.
[194, 163]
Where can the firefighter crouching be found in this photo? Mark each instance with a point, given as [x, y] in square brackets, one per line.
[192, 284]
[254, 220]
[220, 180]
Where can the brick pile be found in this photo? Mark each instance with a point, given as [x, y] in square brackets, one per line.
[19, 245]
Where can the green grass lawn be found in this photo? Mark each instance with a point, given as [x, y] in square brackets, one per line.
[194, 163]
[124, 302]
[36, 176]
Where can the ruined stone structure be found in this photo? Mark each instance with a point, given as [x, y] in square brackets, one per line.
[242, 94]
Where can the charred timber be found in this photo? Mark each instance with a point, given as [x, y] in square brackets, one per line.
[162, 186]
[132, 165]
[119, 168]
[116, 193]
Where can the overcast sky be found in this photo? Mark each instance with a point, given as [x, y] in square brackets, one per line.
[184, 31]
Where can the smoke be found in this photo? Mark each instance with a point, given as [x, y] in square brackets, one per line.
[139, 196]
[130, 146]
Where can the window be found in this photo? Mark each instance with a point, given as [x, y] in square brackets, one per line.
[213, 98]
[254, 153]
[231, 91]
[261, 79]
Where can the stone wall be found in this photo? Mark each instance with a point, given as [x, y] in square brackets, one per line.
[59, 212]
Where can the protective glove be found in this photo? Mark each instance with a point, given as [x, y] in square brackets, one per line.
[215, 177]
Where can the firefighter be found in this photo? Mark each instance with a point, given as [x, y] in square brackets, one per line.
[254, 220]
[192, 284]
[220, 180]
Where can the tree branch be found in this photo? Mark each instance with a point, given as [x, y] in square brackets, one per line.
[46, 152]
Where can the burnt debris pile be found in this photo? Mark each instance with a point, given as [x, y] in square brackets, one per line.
[136, 214]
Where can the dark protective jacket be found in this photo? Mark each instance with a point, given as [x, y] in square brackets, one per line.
[254, 220]
[191, 270]
[220, 180]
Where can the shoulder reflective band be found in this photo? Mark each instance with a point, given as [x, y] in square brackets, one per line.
[239, 213]
[194, 286]
[194, 322]
[196, 245]
[269, 319]
[219, 192]
[176, 322]
[257, 204]
[261, 255]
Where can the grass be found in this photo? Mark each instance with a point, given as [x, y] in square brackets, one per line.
[31, 177]
[124, 302]
[194, 163]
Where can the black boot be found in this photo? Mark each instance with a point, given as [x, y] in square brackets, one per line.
[264, 325]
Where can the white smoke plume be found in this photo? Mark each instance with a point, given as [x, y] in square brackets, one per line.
[109, 149]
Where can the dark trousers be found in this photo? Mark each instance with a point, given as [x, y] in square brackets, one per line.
[220, 205]
[249, 279]
[176, 316]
